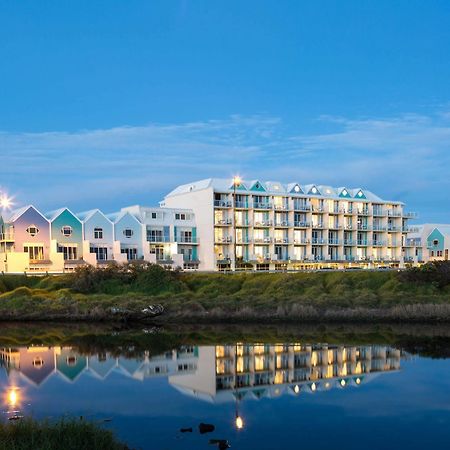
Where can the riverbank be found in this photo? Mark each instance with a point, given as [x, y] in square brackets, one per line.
[418, 295]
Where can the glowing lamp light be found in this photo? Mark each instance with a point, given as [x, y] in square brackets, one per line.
[313, 387]
[237, 180]
[296, 389]
[343, 383]
[5, 202]
[358, 381]
[239, 422]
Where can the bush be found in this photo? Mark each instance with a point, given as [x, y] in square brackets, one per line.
[435, 272]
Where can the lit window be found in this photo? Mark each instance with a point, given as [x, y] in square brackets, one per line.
[67, 231]
[32, 230]
[98, 233]
[128, 232]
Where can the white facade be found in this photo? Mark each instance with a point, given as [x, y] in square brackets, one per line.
[270, 225]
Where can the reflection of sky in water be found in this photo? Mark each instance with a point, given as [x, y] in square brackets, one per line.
[409, 408]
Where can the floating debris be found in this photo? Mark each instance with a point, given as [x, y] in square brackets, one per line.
[222, 444]
[186, 430]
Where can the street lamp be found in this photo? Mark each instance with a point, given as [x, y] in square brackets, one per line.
[5, 201]
[236, 183]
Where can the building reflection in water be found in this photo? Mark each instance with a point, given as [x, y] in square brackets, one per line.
[214, 373]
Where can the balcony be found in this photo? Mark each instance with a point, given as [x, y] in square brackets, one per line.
[350, 226]
[243, 240]
[158, 238]
[223, 239]
[379, 228]
[392, 229]
[379, 212]
[303, 241]
[349, 258]
[410, 215]
[363, 212]
[349, 211]
[334, 242]
[349, 242]
[284, 207]
[264, 240]
[262, 205]
[282, 223]
[364, 228]
[362, 243]
[318, 225]
[222, 204]
[394, 213]
[187, 239]
[410, 229]
[318, 209]
[334, 226]
[378, 243]
[318, 241]
[243, 223]
[7, 237]
[283, 240]
[302, 207]
[223, 222]
[263, 223]
[301, 224]
[241, 205]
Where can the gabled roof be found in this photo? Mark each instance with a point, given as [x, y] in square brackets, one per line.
[13, 215]
[86, 215]
[52, 215]
[115, 217]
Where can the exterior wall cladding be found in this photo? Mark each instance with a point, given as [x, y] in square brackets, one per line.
[225, 224]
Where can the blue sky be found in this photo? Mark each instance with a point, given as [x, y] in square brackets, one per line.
[110, 103]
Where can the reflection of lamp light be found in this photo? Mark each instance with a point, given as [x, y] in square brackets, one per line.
[13, 397]
[239, 422]
[296, 389]
[358, 381]
[313, 387]
[343, 383]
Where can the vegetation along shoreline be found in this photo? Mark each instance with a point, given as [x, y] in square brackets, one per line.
[419, 294]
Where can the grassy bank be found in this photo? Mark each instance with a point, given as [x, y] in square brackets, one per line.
[28, 434]
[414, 295]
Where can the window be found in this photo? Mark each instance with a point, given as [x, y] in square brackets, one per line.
[128, 232]
[182, 216]
[435, 242]
[38, 362]
[101, 253]
[71, 361]
[67, 231]
[154, 215]
[98, 233]
[439, 253]
[130, 252]
[69, 251]
[35, 252]
[32, 230]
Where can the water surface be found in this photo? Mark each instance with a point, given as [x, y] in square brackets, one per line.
[282, 391]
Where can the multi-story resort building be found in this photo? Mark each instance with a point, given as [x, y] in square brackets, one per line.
[227, 224]
[270, 225]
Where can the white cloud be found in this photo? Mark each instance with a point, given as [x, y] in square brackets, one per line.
[400, 157]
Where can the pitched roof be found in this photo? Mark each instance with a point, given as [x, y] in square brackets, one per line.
[13, 215]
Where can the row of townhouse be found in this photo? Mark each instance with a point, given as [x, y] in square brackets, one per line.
[227, 224]
[59, 241]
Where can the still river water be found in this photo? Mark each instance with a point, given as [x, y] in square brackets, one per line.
[357, 388]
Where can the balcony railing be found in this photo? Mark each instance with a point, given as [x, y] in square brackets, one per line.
[223, 239]
[394, 213]
[378, 212]
[410, 215]
[222, 203]
[243, 223]
[263, 223]
[378, 243]
[158, 238]
[318, 225]
[284, 207]
[362, 243]
[262, 205]
[301, 224]
[363, 212]
[242, 205]
[410, 229]
[349, 242]
[223, 222]
[301, 241]
[7, 237]
[187, 239]
[284, 240]
[379, 228]
[318, 241]
[244, 240]
[302, 207]
[335, 226]
[364, 228]
[319, 209]
[394, 229]
[264, 240]
[282, 223]
[334, 242]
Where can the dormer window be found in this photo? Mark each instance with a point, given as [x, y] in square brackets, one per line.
[32, 230]
[67, 231]
[435, 242]
[98, 233]
[128, 232]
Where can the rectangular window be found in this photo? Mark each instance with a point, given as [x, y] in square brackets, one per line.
[35, 252]
[130, 252]
[154, 215]
[101, 253]
[98, 233]
[69, 252]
